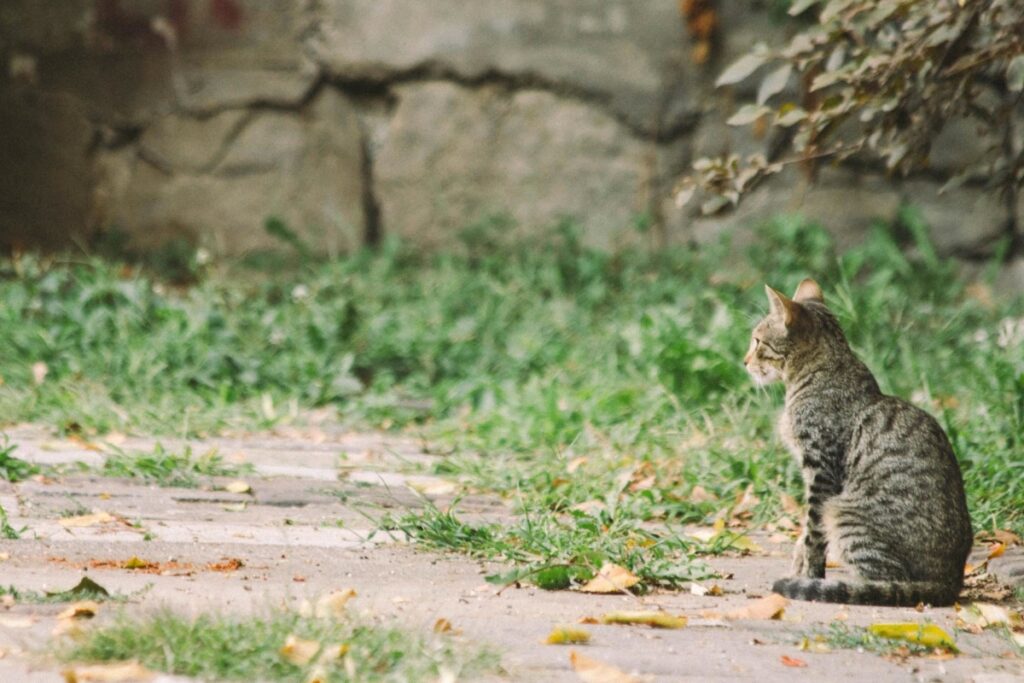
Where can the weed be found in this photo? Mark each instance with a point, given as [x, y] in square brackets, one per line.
[556, 551]
[213, 647]
[13, 469]
[842, 636]
[166, 468]
[86, 589]
[6, 529]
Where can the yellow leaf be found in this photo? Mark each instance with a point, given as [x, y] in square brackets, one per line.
[592, 671]
[985, 614]
[135, 562]
[744, 543]
[567, 635]
[996, 550]
[442, 625]
[108, 673]
[333, 604]
[769, 607]
[86, 609]
[297, 651]
[432, 486]
[928, 635]
[238, 486]
[655, 619]
[234, 507]
[611, 579]
[93, 519]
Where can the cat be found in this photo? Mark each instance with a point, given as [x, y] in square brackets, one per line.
[882, 484]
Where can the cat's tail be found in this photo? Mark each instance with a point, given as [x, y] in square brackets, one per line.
[892, 593]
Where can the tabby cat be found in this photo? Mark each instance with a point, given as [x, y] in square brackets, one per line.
[883, 487]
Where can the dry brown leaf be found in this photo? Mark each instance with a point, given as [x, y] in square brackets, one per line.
[1001, 536]
[593, 671]
[333, 604]
[700, 495]
[86, 609]
[108, 673]
[442, 625]
[575, 464]
[227, 564]
[298, 651]
[92, 519]
[769, 607]
[790, 505]
[611, 579]
[792, 661]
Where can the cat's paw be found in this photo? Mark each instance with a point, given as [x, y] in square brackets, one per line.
[799, 566]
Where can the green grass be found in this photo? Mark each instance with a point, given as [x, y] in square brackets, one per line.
[840, 636]
[14, 469]
[85, 589]
[223, 648]
[168, 468]
[560, 377]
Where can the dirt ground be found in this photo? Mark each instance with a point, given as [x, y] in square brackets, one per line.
[307, 528]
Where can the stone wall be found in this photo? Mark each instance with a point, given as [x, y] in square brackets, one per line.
[354, 119]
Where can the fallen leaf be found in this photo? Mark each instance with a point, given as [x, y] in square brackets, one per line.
[928, 635]
[39, 372]
[4, 557]
[108, 673]
[575, 464]
[567, 635]
[792, 661]
[744, 543]
[432, 486]
[1002, 536]
[816, 644]
[789, 504]
[996, 550]
[227, 564]
[442, 625]
[135, 562]
[298, 651]
[238, 486]
[593, 671]
[86, 609]
[92, 519]
[332, 605]
[769, 607]
[985, 614]
[611, 579]
[655, 619]
[234, 507]
[16, 622]
[85, 586]
[701, 495]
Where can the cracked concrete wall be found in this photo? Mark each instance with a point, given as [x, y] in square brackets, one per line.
[355, 119]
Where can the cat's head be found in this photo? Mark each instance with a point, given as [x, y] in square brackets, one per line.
[791, 327]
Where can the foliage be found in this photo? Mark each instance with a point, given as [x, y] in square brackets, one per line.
[167, 468]
[560, 377]
[880, 80]
[14, 469]
[556, 551]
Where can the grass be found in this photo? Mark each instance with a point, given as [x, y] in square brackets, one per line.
[840, 636]
[213, 647]
[168, 468]
[595, 391]
[85, 589]
[14, 469]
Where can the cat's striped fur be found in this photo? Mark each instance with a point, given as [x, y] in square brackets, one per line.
[883, 485]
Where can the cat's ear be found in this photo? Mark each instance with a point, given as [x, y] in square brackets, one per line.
[808, 290]
[785, 308]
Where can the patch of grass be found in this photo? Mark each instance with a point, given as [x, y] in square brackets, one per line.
[840, 636]
[167, 468]
[7, 530]
[214, 647]
[557, 551]
[14, 469]
[552, 374]
[86, 589]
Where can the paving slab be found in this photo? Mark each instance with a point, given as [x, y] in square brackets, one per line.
[310, 526]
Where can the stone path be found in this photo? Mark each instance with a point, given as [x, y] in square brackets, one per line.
[308, 527]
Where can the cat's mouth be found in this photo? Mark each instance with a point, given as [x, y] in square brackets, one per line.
[763, 376]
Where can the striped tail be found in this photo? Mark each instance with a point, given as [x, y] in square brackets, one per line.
[892, 593]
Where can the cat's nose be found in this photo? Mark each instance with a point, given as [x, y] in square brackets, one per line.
[746, 359]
